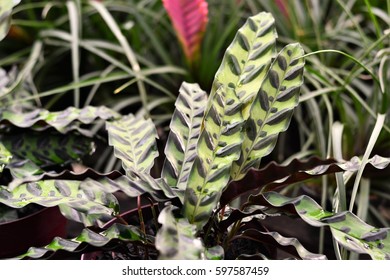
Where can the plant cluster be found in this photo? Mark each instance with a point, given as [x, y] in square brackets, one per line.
[205, 195]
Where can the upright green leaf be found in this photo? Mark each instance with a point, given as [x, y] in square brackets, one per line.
[180, 150]
[248, 58]
[272, 109]
[176, 239]
[134, 142]
[218, 146]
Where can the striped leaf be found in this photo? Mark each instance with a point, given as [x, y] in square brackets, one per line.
[180, 150]
[46, 148]
[272, 109]
[134, 142]
[83, 197]
[119, 232]
[189, 18]
[218, 146]
[348, 230]
[274, 176]
[248, 58]
[288, 244]
[176, 239]
[62, 121]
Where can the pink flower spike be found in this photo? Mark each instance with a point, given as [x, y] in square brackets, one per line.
[189, 19]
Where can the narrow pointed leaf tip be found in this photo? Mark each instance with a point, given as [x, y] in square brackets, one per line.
[189, 19]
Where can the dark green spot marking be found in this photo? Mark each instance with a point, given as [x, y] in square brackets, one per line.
[243, 41]
[274, 79]
[282, 62]
[234, 64]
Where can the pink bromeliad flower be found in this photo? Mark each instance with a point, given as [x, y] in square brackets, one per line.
[189, 19]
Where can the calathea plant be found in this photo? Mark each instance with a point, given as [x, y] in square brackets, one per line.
[212, 156]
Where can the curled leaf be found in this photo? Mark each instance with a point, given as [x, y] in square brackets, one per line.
[348, 229]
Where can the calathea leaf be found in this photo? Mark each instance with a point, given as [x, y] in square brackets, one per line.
[288, 244]
[5, 156]
[127, 233]
[62, 121]
[275, 176]
[180, 150]
[248, 58]
[81, 196]
[46, 149]
[218, 146]
[271, 111]
[176, 239]
[349, 230]
[134, 142]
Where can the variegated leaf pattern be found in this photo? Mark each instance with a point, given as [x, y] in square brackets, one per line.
[134, 142]
[176, 239]
[348, 229]
[248, 58]
[272, 109]
[5, 156]
[45, 148]
[62, 121]
[218, 146]
[78, 195]
[157, 188]
[119, 232]
[180, 150]
[284, 243]
[275, 176]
